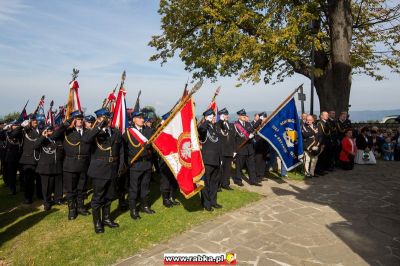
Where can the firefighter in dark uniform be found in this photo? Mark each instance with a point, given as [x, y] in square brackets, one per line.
[324, 158]
[50, 165]
[12, 135]
[140, 170]
[342, 124]
[261, 152]
[212, 158]
[29, 159]
[75, 164]
[227, 136]
[245, 153]
[106, 161]
[168, 183]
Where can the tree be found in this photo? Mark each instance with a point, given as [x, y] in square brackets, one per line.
[271, 40]
[11, 116]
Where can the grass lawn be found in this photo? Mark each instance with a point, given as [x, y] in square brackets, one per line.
[30, 236]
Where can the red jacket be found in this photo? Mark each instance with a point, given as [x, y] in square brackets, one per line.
[348, 145]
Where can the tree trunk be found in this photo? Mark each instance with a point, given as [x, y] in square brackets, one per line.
[333, 88]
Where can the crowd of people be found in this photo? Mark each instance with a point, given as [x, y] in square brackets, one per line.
[84, 154]
[331, 143]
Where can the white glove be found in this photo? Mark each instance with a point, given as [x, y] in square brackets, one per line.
[251, 136]
[209, 118]
[7, 127]
[222, 117]
[25, 123]
[234, 154]
[262, 117]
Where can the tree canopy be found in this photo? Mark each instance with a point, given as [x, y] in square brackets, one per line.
[271, 39]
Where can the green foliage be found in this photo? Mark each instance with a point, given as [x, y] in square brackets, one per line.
[11, 116]
[270, 40]
[30, 236]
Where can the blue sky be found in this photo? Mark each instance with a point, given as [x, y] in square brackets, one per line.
[41, 41]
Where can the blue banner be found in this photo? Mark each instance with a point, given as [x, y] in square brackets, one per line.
[283, 132]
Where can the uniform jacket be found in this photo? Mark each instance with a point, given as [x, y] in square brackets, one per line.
[341, 127]
[29, 153]
[132, 147]
[51, 154]
[13, 145]
[107, 153]
[248, 148]
[324, 130]
[227, 133]
[77, 152]
[363, 142]
[211, 143]
[310, 135]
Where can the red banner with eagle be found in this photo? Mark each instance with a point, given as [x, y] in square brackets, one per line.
[179, 146]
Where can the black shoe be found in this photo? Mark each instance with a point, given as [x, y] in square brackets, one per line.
[71, 210]
[82, 209]
[167, 203]
[135, 214]
[217, 206]
[240, 184]
[28, 201]
[147, 210]
[227, 187]
[107, 219]
[98, 225]
[175, 202]
[209, 209]
[255, 184]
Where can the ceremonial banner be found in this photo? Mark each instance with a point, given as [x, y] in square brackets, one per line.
[283, 132]
[120, 116]
[179, 146]
[39, 112]
[50, 115]
[24, 115]
[59, 116]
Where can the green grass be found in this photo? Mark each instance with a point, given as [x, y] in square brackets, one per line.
[30, 236]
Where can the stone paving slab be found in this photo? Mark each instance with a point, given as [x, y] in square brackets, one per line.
[343, 218]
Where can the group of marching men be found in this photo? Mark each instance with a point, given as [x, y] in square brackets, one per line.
[84, 149]
[86, 152]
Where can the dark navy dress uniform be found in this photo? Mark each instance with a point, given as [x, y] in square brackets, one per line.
[29, 160]
[245, 155]
[212, 157]
[50, 167]
[227, 134]
[139, 171]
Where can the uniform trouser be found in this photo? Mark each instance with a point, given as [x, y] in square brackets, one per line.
[122, 185]
[209, 192]
[139, 181]
[241, 161]
[261, 165]
[103, 192]
[74, 185]
[10, 175]
[310, 162]
[30, 177]
[325, 160]
[226, 170]
[51, 183]
[168, 182]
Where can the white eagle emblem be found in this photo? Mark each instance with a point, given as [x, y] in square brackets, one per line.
[186, 150]
[290, 137]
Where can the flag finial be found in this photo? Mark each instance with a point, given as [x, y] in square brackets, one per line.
[75, 73]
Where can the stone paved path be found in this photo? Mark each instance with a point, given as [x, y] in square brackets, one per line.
[344, 218]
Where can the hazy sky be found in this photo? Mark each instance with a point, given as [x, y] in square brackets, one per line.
[41, 41]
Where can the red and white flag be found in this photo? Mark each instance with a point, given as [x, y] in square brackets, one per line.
[120, 116]
[73, 103]
[138, 136]
[178, 144]
[50, 115]
[111, 102]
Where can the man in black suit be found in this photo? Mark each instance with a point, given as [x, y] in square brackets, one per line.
[106, 161]
[226, 132]
[245, 149]
[324, 130]
[29, 158]
[135, 139]
[75, 165]
[212, 158]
